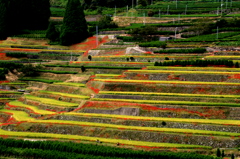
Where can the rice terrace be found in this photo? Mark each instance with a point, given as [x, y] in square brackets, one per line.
[122, 79]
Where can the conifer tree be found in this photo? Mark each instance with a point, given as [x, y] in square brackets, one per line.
[51, 33]
[74, 27]
[3, 19]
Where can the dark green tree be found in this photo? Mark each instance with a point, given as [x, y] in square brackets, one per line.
[3, 19]
[142, 2]
[89, 57]
[232, 156]
[223, 155]
[52, 33]
[74, 27]
[106, 22]
[218, 153]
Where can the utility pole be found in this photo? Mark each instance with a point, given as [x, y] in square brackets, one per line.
[127, 10]
[176, 33]
[176, 4]
[132, 4]
[159, 13]
[178, 18]
[97, 35]
[186, 10]
[217, 10]
[115, 11]
[226, 3]
[217, 32]
[221, 9]
[144, 20]
[168, 10]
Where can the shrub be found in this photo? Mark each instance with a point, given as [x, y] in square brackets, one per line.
[197, 50]
[164, 123]
[166, 58]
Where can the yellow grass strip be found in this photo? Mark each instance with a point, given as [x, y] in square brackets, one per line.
[23, 116]
[222, 57]
[10, 92]
[111, 62]
[105, 140]
[139, 128]
[51, 101]
[159, 119]
[66, 94]
[35, 109]
[166, 82]
[18, 115]
[107, 75]
[192, 68]
[169, 94]
[187, 103]
[180, 72]
[70, 84]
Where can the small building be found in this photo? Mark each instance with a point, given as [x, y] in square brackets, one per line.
[165, 38]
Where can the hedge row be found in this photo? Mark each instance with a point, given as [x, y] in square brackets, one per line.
[197, 50]
[68, 150]
[153, 44]
[228, 63]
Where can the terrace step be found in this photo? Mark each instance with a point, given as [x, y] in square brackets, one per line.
[48, 104]
[66, 97]
[168, 98]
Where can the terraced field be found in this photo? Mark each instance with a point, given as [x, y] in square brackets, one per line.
[125, 103]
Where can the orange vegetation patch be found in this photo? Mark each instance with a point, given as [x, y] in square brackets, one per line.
[3, 56]
[90, 43]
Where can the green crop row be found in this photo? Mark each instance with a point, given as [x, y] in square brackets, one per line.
[39, 80]
[66, 94]
[153, 44]
[51, 101]
[169, 94]
[70, 84]
[167, 82]
[196, 50]
[202, 63]
[210, 37]
[169, 102]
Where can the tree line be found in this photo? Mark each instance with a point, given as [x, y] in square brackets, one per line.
[16, 15]
[68, 150]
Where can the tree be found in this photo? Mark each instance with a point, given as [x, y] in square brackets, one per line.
[3, 19]
[218, 153]
[232, 156]
[90, 57]
[83, 69]
[144, 34]
[51, 33]
[106, 22]
[223, 153]
[74, 28]
[142, 2]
